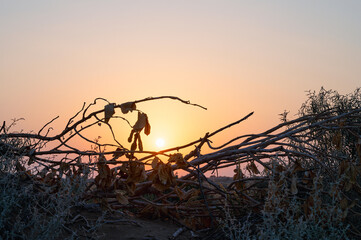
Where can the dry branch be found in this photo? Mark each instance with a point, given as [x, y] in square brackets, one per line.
[291, 148]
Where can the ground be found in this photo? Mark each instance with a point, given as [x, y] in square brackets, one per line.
[141, 229]
[120, 225]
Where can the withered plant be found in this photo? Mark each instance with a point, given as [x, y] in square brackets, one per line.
[301, 173]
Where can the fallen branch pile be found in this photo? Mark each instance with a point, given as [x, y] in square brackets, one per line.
[289, 159]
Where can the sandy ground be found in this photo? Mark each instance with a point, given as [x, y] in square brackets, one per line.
[141, 229]
[120, 225]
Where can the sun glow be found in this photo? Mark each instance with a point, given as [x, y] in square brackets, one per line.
[160, 142]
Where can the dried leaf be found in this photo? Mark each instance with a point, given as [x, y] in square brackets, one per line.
[155, 162]
[140, 144]
[103, 170]
[136, 172]
[105, 175]
[147, 127]
[120, 195]
[141, 122]
[237, 176]
[251, 167]
[159, 186]
[108, 111]
[294, 189]
[130, 138]
[162, 175]
[134, 144]
[178, 159]
[128, 106]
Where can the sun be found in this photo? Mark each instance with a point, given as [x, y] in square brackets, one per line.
[160, 142]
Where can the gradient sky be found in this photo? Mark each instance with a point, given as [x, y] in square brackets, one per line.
[232, 57]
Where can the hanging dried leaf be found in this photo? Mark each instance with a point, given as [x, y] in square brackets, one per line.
[130, 138]
[104, 178]
[155, 162]
[178, 159]
[136, 172]
[108, 111]
[134, 144]
[140, 144]
[294, 189]
[252, 168]
[103, 170]
[162, 175]
[141, 122]
[238, 176]
[128, 106]
[147, 127]
[121, 197]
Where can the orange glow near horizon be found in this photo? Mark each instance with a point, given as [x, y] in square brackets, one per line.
[232, 58]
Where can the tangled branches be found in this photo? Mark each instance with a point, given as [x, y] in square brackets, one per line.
[307, 164]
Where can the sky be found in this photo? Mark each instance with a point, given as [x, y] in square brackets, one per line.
[233, 57]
